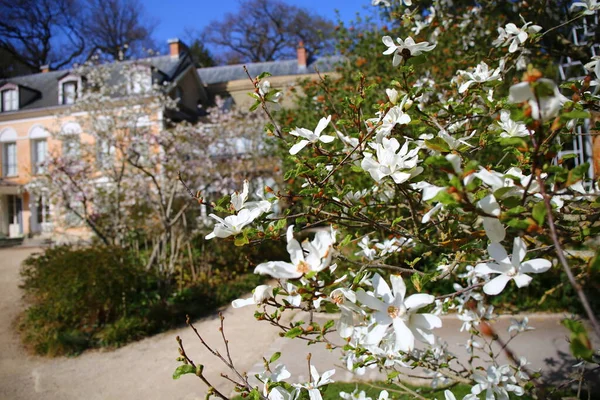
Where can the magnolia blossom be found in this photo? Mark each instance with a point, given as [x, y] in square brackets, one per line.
[233, 224]
[497, 383]
[316, 382]
[345, 299]
[395, 116]
[512, 268]
[493, 228]
[511, 128]
[513, 36]
[310, 136]
[261, 294]
[405, 48]
[590, 6]
[401, 165]
[545, 106]
[318, 256]
[481, 74]
[393, 309]
[519, 326]
[356, 395]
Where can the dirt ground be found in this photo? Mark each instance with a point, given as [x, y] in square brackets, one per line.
[143, 370]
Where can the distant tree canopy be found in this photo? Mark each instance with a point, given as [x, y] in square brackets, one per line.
[267, 30]
[58, 33]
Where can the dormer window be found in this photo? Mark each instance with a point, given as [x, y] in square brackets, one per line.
[69, 92]
[140, 79]
[10, 100]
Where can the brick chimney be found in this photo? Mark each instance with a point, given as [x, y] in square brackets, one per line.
[301, 52]
[45, 68]
[176, 47]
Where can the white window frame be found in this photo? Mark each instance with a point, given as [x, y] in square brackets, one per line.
[69, 79]
[38, 158]
[13, 104]
[9, 169]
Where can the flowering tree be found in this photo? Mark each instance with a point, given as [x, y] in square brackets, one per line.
[451, 172]
[123, 176]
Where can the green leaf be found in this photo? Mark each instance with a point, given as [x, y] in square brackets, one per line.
[581, 346]
[416, 281]
[577, 174]
[255, 106]
[346, 241]
[275, 357]
[241, 240]
[438, 144]
[294, 332]
[539, 213]
[576, 114]
[263, 75]
[182, 370]
[328, 325]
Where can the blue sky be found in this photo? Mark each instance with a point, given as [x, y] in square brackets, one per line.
[174, 17]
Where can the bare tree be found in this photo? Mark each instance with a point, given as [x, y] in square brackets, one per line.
[117, 28]
[41, 32]
[266, 30]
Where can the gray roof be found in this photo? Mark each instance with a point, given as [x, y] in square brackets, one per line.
[47, 83]
[226, 73]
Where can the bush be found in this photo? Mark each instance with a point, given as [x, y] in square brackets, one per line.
[102, 296]
[75, 293]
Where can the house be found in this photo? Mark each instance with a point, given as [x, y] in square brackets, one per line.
[34, 105]
[29, 109]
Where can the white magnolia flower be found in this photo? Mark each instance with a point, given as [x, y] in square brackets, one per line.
[519, 326]
[405, 48]
[511, 128]
[356, 395]
[316, 382]
[481, 74]
[393, 245]
[513, 37]
[401, 166]
[497, 383]
[310, 136]
[313, 256]
[365, 249]
[277, 374]
[259, 295]
[279, 393]
[392, 95]
[292, 295]
[590, 6]
[395, 116]
[544, 107]
[264, 87]
[345, 299]
[512, 268]
[494, 229]
[393, 309]
[233, 224]
[238, 199]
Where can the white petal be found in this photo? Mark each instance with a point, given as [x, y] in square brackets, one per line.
[369, 300]
[398, 286]
[314, 394]
[498, 253]
[519, 251]
[419, 300]
[322, 125]
[496, 285]
[489, 268]
[242, 302]
[326, 138]
[536, 266]
[278, 269]
[405, 340]
[426, 321]
[520, 92]
[522, 280]
[345, 325]
[381, 288]
[298, 146]
[494, 229]
[489, 205]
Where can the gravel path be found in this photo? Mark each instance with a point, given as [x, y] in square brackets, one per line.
[143, 370]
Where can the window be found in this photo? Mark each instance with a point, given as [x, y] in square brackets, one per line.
[141, 81]
[104, 153]
[40, 148]
[71, 145]
[43, 210]
[69, 92]
[10, 100]
[9, 165]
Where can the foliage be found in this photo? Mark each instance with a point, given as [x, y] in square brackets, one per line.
[433, 154]
[103, 297]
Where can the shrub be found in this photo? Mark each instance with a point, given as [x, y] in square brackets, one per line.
[75, 293]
